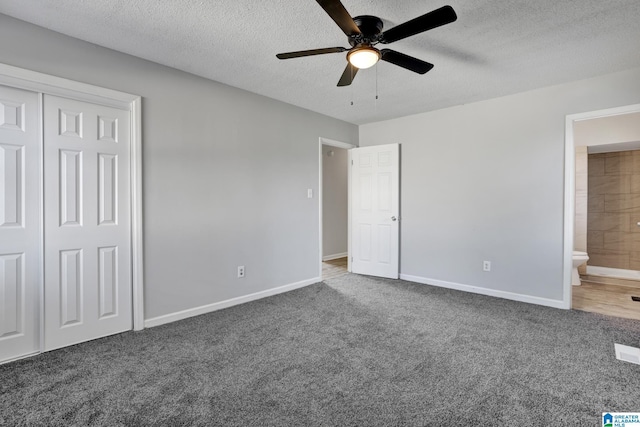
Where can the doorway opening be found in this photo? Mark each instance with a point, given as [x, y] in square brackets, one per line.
[603, 161]
[334, 159]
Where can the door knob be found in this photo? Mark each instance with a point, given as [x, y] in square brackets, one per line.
[393, 218]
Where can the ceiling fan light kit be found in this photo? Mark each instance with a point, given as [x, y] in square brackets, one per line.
[363, 57]
[364, 32]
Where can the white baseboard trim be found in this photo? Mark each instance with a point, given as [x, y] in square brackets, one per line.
[196, 311]
[334, 256]
[484, 291]
[613, 272]
[24, 356]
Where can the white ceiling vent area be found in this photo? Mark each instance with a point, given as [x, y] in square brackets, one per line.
[628, 354]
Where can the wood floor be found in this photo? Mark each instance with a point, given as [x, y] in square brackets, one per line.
[611, 297]
[334, 268]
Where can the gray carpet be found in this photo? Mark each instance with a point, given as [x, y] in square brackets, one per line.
[352, 351]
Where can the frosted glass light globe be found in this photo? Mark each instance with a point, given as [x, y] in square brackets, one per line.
[364, 57]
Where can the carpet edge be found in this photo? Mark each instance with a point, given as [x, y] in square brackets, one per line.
[486, 291]
[208, 308]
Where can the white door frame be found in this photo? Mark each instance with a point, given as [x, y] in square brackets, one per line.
[46, 84]
[570, 187]
[339, 144]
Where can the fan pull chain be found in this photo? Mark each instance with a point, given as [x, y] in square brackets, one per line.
[376, 103]
[351, 85]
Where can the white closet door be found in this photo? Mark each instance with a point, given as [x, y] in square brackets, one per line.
[375, 209]
[87, 222]
[20, 195]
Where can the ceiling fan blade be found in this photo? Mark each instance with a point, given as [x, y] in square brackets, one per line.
[339, 14]
[310, 52]
[428, 21]
[405, 61]
[348, 75]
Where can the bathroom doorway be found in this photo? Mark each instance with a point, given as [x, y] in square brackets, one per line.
[606, 150]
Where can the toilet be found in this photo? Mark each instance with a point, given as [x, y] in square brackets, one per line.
[579, 258]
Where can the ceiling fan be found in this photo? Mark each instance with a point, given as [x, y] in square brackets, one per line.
[364, 32]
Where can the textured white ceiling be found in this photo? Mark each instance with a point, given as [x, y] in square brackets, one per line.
[496, 47]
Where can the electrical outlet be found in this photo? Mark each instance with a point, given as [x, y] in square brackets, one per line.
[240, 271]
[486, 265]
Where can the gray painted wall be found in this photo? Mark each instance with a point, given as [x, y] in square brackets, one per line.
[335, 200]
[485, 181]
[225, 172]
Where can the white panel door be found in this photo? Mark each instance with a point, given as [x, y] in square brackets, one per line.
[375, 209]
[20, 195]
[87, 246]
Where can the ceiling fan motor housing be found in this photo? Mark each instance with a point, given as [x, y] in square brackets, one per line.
[370, 28]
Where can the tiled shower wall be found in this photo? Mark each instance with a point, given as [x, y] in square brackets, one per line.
[613, 236]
